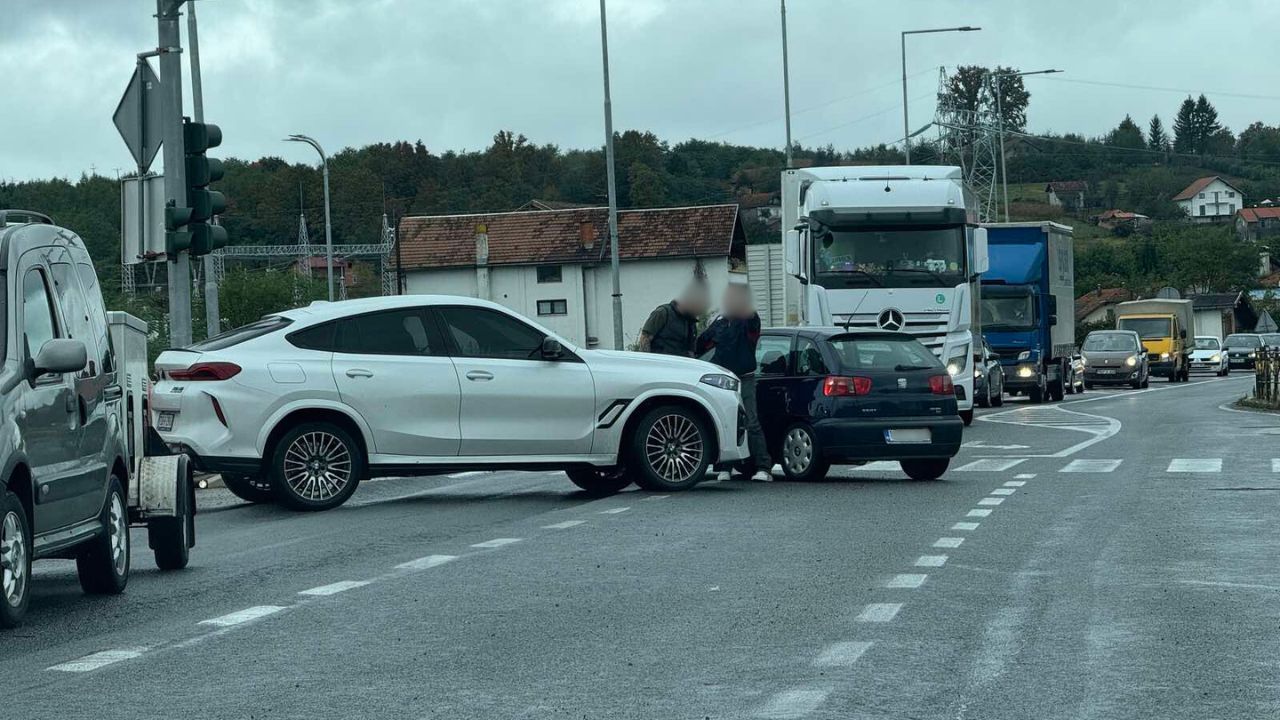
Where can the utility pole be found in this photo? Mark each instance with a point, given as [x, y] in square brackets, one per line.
[786, 83]
[175, 172]
[998, 80]
[212, 310]
[906, 124]
[613, 192]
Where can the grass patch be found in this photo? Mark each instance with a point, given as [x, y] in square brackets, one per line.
[1252, 403]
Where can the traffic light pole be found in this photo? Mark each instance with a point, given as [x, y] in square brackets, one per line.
[175, 171]
[212, 309]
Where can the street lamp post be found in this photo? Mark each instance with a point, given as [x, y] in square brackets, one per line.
[328, 231]
[906, 123]
[1004, 177]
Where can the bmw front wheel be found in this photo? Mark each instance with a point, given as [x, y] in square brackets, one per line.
[670, 449]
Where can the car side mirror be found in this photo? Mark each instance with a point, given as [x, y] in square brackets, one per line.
[551, 348]
[60, 355]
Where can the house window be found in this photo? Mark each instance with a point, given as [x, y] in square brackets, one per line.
[1230, 194]
[548, 274]
[1231, 208]
[1202, 209]
[1201, 196]
[553, 307]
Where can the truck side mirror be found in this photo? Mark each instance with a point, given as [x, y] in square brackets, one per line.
[980, 261]
[795, 254]
[1053, 320]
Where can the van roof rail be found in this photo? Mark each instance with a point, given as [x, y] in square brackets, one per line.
[30, 215]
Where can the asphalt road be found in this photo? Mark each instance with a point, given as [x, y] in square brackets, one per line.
[1111, 556]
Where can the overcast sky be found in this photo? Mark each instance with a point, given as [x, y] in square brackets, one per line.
[453, 72]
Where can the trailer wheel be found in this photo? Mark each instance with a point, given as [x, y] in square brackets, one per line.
[171, 538]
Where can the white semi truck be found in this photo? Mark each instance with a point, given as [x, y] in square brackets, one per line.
[887, 248]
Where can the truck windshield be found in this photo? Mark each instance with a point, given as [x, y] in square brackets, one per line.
[1010, 312]
[889, 256]
[1148, 328]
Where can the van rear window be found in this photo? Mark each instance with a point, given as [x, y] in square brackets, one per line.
[231, 338]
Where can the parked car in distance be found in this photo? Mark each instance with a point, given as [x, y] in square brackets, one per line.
[316, 399]
[829, 396]
[1208, 354]
[1242, 349]
[1114, 357]
[988, 377]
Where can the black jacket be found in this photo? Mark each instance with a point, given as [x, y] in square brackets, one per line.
[734, 343]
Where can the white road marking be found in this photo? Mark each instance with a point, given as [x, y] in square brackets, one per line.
[657, 497]
[1223, 583]
[1003, 491]
[98, 659]
[243, 616]
[906, 580]
[879, 612]
[1091, 466]
[965, 526]
[614, 511]
[1099, 426]
[842, 654]
[429, 561]
[983, 445]
[1015, 483]
[470, 473]
[948, 542]
[335, 588]
[990, 465]
[1275, 464]
[931, 561]
[978, 512]
[1024, 476]
[496, 542]
[1199, 465]
[990, 501]
[878, 466]
[790, 704]
[563, 525]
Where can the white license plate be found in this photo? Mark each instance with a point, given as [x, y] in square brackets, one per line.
[908, 435]
[165, 421]
[1106, 371]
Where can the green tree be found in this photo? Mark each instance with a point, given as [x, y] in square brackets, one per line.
[648, 189]
[1157, 139]
[1259, 142]
[1206, 123]
[1127, 135]
[1185, 132]
[967, 88]
[247, 295]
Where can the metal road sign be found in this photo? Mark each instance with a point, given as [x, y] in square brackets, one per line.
[138, 116]
[1266, 324]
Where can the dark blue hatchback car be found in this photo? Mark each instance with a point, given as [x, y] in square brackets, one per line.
[829, 396]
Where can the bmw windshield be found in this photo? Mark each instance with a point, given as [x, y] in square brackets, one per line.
[888, 256]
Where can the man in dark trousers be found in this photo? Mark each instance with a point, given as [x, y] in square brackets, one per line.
[672, 327]
[732, 338]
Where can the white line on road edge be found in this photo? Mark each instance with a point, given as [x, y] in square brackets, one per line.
[469, 473]
[497, 542]
[948, 542]
[906, 581]
[1017, 416]
[1015, 483]
[563, 525]
[931, 561]
[990, 501]
[790, 704]
[978, 512]
[1201, 465]
[879, 612]
[1004, 491]
[335, 588]
[657, 497]
[989, 465]
[98, 659]
[614, 511]
[842, 654]
[965, 526]
[429, 561]
[1024, 476]
[243, 616]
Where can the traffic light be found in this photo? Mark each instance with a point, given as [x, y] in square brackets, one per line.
[203, 203]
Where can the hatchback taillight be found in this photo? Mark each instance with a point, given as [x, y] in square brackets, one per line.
[941, 385]
[836, 386]
[206, 371]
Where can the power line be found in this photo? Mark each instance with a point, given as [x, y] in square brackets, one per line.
[1130, 86]
[864, 118]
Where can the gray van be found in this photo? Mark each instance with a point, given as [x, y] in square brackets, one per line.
[64, 455]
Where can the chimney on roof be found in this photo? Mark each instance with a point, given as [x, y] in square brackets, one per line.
[587, 234]
[482, 261]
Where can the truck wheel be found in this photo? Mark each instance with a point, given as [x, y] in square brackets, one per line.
[670, 449]
[1057, 387]
[103, 566]
[1037, 393]
[802, 456]
[925, 469]
[599, 482]
[251, 488]
[15, 561]
[316, 466]
[967, 417]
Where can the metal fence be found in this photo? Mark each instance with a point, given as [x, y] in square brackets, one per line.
[1266, 376]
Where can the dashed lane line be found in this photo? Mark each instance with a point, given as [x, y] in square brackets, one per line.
[948, 542]
[1024, 476]
[614, 511]
[907, 581]
[795, 703]
[1195, 465]
[842, 654]
[497, 542]
[429, 561]
[335, 588]
[1005, 491]
[99, 659]
[1091, 466]
[563, 525]
[879, 612]
[931, 561]
[991, 501]
[1015, 483]
[978, 512]
[965, 526]
[243, 616]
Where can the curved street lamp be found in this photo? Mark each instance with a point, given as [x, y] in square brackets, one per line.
[906, 125]
[328, 233]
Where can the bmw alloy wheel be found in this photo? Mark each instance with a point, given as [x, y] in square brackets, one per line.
[797, 451]
[118, 534]
[13, 559]
[317, 466]
[674, 448]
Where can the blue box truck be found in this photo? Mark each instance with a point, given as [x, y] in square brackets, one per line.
[1027, 307]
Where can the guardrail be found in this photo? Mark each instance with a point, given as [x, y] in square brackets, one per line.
[1266, 376]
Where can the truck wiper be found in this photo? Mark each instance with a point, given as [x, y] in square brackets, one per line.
[863, 273]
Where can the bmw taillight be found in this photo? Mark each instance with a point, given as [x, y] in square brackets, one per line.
[837, 386]
[205, 372]
[941, 385]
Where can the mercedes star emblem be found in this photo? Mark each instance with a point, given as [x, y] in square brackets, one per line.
[891, 319]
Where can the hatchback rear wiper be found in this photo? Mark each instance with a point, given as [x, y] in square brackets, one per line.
[909, 368]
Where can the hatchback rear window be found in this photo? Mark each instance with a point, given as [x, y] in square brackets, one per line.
[898, 354]
[231, 338]
[1246, 341]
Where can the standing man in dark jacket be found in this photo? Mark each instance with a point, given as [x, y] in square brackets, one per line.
[732, 338]
[672, 327]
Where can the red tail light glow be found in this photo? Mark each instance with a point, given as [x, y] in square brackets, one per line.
[836, 386]
[206, 371]
[941, 385]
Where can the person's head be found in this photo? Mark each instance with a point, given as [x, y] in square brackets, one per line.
[737, 301]
[693, 300]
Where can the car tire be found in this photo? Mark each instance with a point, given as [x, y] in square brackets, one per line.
[316, 466]
[250, 488]
[103, 565]
[1146, 382]
[985, 400]
[966, 416]
[669, 450]
[997, 400]
[930, 469]
[599, 482]
[802, 457]
[1057, 389]
[1088, 386]
[15, 561]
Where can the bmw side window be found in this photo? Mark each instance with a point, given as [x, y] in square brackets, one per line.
[809, 358]
[394, 332]
[38, 324]
[75, 311]
[481, 333]
[321, 337]
[771, 354]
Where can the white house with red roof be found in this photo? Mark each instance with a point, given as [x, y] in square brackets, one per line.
[1210, 199]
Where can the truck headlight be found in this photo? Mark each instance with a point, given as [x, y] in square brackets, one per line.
[724, 382]
[1026, 371]
[1164, 356]
[1131, 361]
[956, 363]
[1024, 355]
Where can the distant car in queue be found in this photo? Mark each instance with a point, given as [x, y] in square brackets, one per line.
[829, 396]
[988, 377]
[1114, 357]
[1242, 349]
[1208, 354]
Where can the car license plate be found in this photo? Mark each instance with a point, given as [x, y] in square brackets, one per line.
[908, 435]
[165, 421]
[1106, 371]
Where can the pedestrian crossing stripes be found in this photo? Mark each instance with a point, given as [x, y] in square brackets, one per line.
[1201, 465]
[1143, 467]
[1091, 466]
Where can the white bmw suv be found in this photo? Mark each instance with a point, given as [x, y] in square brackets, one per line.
[304, 404]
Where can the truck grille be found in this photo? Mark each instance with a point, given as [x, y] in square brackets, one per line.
[1153, 357]
[930, 329]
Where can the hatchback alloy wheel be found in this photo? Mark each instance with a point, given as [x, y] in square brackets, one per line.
[317, 466]
[13, 559]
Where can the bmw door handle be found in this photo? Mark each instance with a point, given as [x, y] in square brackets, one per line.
[479, 375]
[359, 372]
